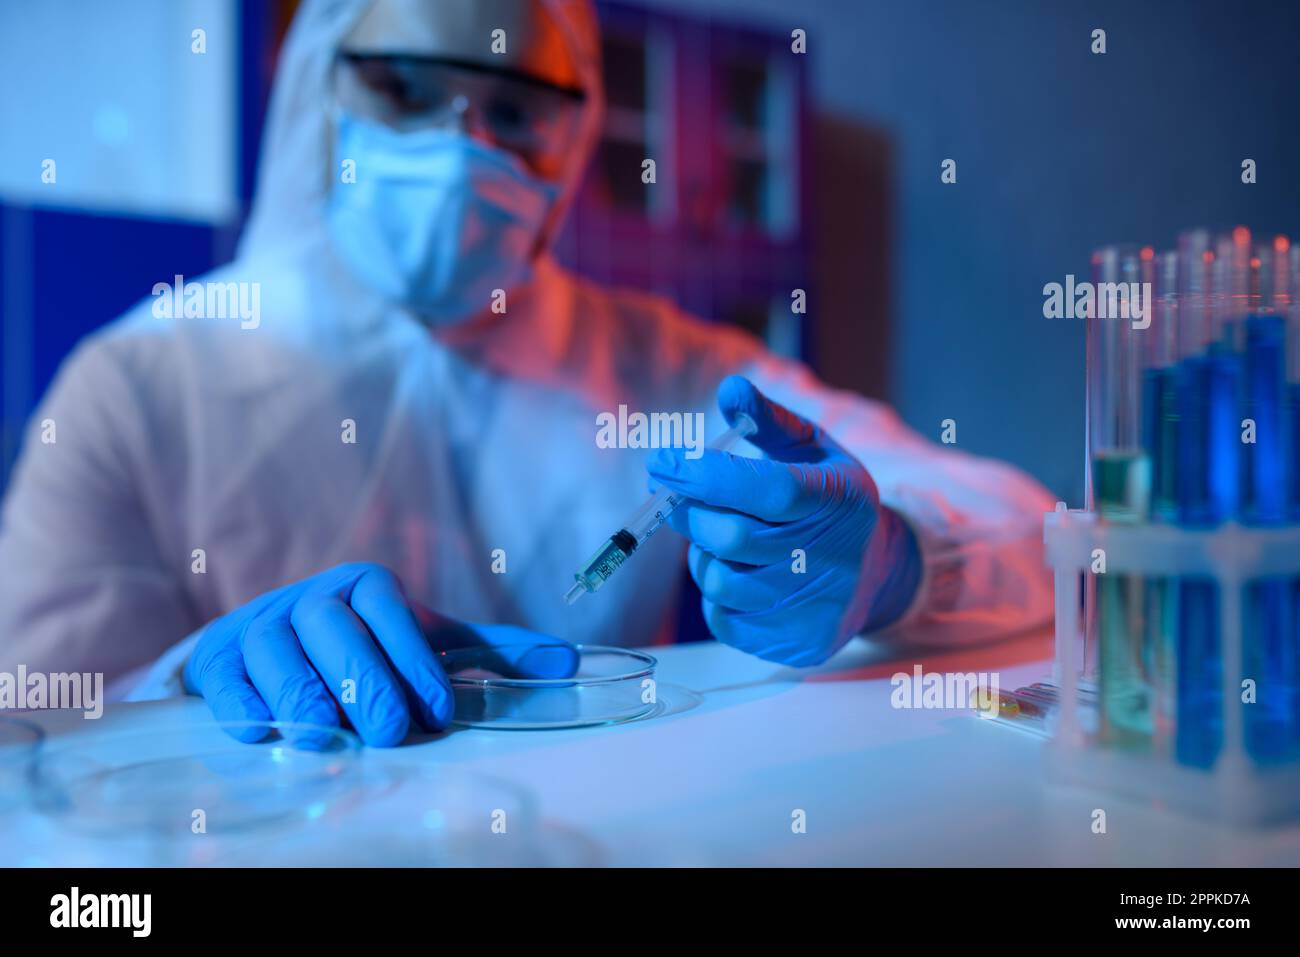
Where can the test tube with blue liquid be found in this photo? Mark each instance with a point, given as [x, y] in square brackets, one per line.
[1269, 654]
[1292, 252]
[1288, 252]
[1160, 440]
[1208, 486]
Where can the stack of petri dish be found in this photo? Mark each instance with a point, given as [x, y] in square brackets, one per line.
[188, 794]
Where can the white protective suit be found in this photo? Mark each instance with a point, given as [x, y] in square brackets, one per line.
[175, 435]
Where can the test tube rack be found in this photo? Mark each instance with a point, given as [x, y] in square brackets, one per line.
[1235, 789]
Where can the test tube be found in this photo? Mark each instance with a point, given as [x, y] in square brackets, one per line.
[1263, 340]
[1121, 488]
[1230, 286]
[1207, 484]
[1290, 253]
[1207, 481]
[1121, 485]
[1268, 652]
[1160, 439]
[1159, 382]
[1292, 303]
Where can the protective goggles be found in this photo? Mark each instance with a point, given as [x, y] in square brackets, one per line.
[518, 112]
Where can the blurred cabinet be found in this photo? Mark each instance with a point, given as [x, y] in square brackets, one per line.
[722, 111]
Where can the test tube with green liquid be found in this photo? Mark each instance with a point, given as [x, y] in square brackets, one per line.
[1121, 493]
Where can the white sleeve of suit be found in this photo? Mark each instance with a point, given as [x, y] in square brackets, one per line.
[84, 585]
[979, 522]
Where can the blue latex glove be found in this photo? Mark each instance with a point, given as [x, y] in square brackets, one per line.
[285, 656]
[746, 517]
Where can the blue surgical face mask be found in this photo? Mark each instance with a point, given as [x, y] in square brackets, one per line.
[435, 220]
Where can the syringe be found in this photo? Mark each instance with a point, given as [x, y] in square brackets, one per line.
[644, 522]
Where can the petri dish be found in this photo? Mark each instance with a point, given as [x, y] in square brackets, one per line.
[195, 778]
[610, 686]
[20, 742]
[424, 814]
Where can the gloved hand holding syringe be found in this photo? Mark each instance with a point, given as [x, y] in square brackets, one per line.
[644, 522]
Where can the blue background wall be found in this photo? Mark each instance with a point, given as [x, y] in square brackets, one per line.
[1058, 151]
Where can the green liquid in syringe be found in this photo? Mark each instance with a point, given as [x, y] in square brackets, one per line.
[1122, 495]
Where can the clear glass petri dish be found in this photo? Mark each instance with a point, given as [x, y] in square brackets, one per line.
[20, 742]
[420, 813]
[610, 685]
[194, 778]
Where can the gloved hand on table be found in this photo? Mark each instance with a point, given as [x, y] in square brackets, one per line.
[746, 517]
[286, 655]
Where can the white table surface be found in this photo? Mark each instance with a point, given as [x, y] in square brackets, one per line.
[714, 779]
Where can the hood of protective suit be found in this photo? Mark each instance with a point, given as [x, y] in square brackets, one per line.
[294, 174]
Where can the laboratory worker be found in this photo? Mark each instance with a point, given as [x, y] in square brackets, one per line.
[403, 447]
